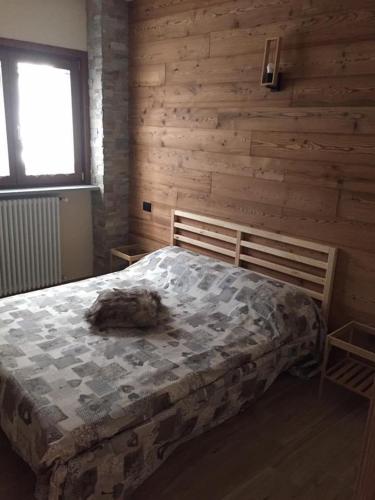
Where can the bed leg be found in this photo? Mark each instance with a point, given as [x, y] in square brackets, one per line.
[324, 367]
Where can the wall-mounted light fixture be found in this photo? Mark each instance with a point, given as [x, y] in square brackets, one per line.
[271, 76]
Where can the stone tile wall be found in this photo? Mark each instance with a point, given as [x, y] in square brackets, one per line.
[108, 89]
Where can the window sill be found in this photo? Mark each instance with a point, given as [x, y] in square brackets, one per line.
[11, 193]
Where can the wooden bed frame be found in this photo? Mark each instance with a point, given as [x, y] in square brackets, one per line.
[306, 265]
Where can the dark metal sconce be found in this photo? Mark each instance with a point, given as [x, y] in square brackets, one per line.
[271, 76]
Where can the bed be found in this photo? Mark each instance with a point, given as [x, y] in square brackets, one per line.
[95, 414]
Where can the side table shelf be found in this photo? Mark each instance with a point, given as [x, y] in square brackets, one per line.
[129, 253]
[355, 368]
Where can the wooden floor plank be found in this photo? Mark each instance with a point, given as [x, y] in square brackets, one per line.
[289, 445]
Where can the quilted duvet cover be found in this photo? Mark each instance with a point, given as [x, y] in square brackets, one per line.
[95, 413]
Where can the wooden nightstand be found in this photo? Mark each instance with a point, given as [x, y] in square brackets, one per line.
[354, 367]
[129, 253]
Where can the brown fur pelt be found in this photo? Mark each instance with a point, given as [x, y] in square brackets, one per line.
[132, 307]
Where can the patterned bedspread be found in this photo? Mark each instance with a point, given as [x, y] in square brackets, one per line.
[66, 389]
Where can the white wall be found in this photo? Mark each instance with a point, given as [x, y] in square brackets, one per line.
[60, 23]
[53, 22]
[76, 235]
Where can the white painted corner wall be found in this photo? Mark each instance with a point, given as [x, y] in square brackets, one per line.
[59, 23]
[76, 235]
[53, 22]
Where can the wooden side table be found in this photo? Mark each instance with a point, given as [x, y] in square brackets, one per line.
[130, 253]
[355, 367]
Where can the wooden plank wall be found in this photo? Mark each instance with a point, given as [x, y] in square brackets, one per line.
[206, 137]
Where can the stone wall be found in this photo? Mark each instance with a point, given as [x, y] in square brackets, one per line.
[108, 89]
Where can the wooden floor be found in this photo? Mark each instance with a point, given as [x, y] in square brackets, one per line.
[288, 446]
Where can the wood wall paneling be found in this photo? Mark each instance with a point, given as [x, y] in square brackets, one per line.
[228, 94]
[149, 75]
[164, 51]
[344, 148]
[206, 137]
[345, 91]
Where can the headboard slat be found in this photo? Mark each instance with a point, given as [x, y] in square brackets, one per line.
[207, 246]
[306, 265]
[287, 255]
[256, 232]
[283, 269]
[315, 295]
[204, 232]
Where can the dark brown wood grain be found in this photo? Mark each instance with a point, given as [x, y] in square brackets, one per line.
[365, 489]
[311, 442]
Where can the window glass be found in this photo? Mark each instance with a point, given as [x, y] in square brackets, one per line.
[45, 119]
[4, 158]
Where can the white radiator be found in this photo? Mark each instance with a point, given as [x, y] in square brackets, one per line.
[30, 255]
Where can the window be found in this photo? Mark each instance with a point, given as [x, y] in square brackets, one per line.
[43, 115]
[4, 156]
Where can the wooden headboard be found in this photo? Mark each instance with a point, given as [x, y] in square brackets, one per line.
[306, 265]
